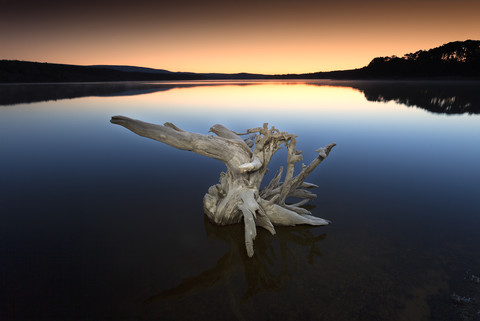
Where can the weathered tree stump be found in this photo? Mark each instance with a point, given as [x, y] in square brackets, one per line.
[238, 195]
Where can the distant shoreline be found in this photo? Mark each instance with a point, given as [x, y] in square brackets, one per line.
[25, 72]
[334, 81]
[459, 60]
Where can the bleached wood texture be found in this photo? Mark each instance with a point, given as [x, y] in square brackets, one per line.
[238, 195]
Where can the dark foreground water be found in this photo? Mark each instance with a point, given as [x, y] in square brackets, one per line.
[99, 223]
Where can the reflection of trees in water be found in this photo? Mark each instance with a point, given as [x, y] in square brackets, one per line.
[436, 97]
[11, 94]
[270, 269]
[454, 97]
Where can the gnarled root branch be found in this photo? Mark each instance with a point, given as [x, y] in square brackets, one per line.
[238, 196]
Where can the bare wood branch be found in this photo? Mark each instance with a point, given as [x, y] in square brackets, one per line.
[281, 216]
[214, 147]
[322, 154]
[308, 185]
[297, 209]
[270, 189]
[292, 158]
[237, 197]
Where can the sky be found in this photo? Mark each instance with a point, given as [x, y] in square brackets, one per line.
[273, 37]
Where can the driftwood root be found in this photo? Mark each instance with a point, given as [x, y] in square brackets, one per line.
[238, 195]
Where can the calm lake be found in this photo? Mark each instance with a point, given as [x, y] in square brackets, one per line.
[99, 223]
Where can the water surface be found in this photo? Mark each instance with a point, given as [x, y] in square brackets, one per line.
[97, 222]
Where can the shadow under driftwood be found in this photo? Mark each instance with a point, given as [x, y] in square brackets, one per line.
[273, 266]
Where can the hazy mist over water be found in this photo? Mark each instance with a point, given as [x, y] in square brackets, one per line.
[97, 222]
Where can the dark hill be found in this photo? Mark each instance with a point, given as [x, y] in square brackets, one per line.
[14, 71]
[459, 59]
[454, 60]
[133, 69]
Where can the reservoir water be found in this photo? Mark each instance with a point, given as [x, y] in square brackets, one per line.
[99, 223]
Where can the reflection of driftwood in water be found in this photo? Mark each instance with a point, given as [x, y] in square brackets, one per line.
[270, 269]
[437, 97]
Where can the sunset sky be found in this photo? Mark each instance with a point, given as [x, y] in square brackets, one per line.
[230, 36]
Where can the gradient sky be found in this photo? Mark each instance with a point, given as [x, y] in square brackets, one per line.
[230, 36]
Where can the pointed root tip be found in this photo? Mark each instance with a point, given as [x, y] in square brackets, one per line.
[317, 220]
[322, 223]
[250, 250]
[118, 119]
[324, 151]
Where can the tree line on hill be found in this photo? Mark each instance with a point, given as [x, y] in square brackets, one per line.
[459, 59]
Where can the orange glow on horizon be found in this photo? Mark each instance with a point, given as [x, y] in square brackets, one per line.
[269, 37]
[272, 96]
